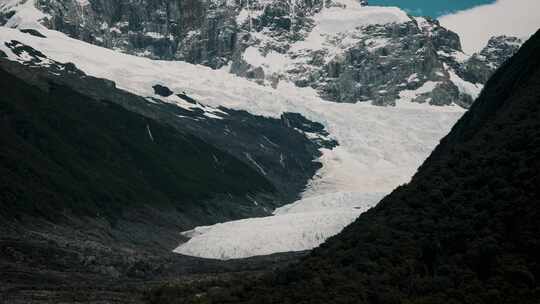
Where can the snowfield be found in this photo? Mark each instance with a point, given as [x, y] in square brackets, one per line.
[379, 147]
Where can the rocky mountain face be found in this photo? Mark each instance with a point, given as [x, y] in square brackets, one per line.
[483, 64]
[344, 49]
[387, 61]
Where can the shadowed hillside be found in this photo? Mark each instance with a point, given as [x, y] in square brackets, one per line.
[63, 151]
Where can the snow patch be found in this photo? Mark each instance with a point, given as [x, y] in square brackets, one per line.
[465, 87]
[410, 95]
[273, 62]
[154, 35]
[26, 16]
[83, 3]
[334, 20]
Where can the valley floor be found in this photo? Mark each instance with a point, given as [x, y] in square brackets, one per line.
[46, 272]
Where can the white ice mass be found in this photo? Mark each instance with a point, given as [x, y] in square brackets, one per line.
[379, 147]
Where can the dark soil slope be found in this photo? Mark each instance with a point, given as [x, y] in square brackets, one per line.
[466, 229]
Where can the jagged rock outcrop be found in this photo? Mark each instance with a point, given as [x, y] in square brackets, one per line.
[416, 60]
[202, 32]
[483, 64]
[195, 31]
[391, 59]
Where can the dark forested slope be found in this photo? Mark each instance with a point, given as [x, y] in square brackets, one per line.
[62, 151]
[466, 229]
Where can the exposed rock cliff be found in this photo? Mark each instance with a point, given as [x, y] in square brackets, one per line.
[483, 64]
[346, 50]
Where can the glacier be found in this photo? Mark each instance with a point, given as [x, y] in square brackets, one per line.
[379, 147]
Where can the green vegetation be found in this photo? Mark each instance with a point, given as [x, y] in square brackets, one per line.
[466, 229]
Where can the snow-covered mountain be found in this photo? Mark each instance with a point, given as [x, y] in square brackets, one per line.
[271, 58]
[348, 52]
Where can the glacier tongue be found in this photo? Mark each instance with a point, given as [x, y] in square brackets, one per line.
[263, 236]
[379, 147]
[299, 226]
